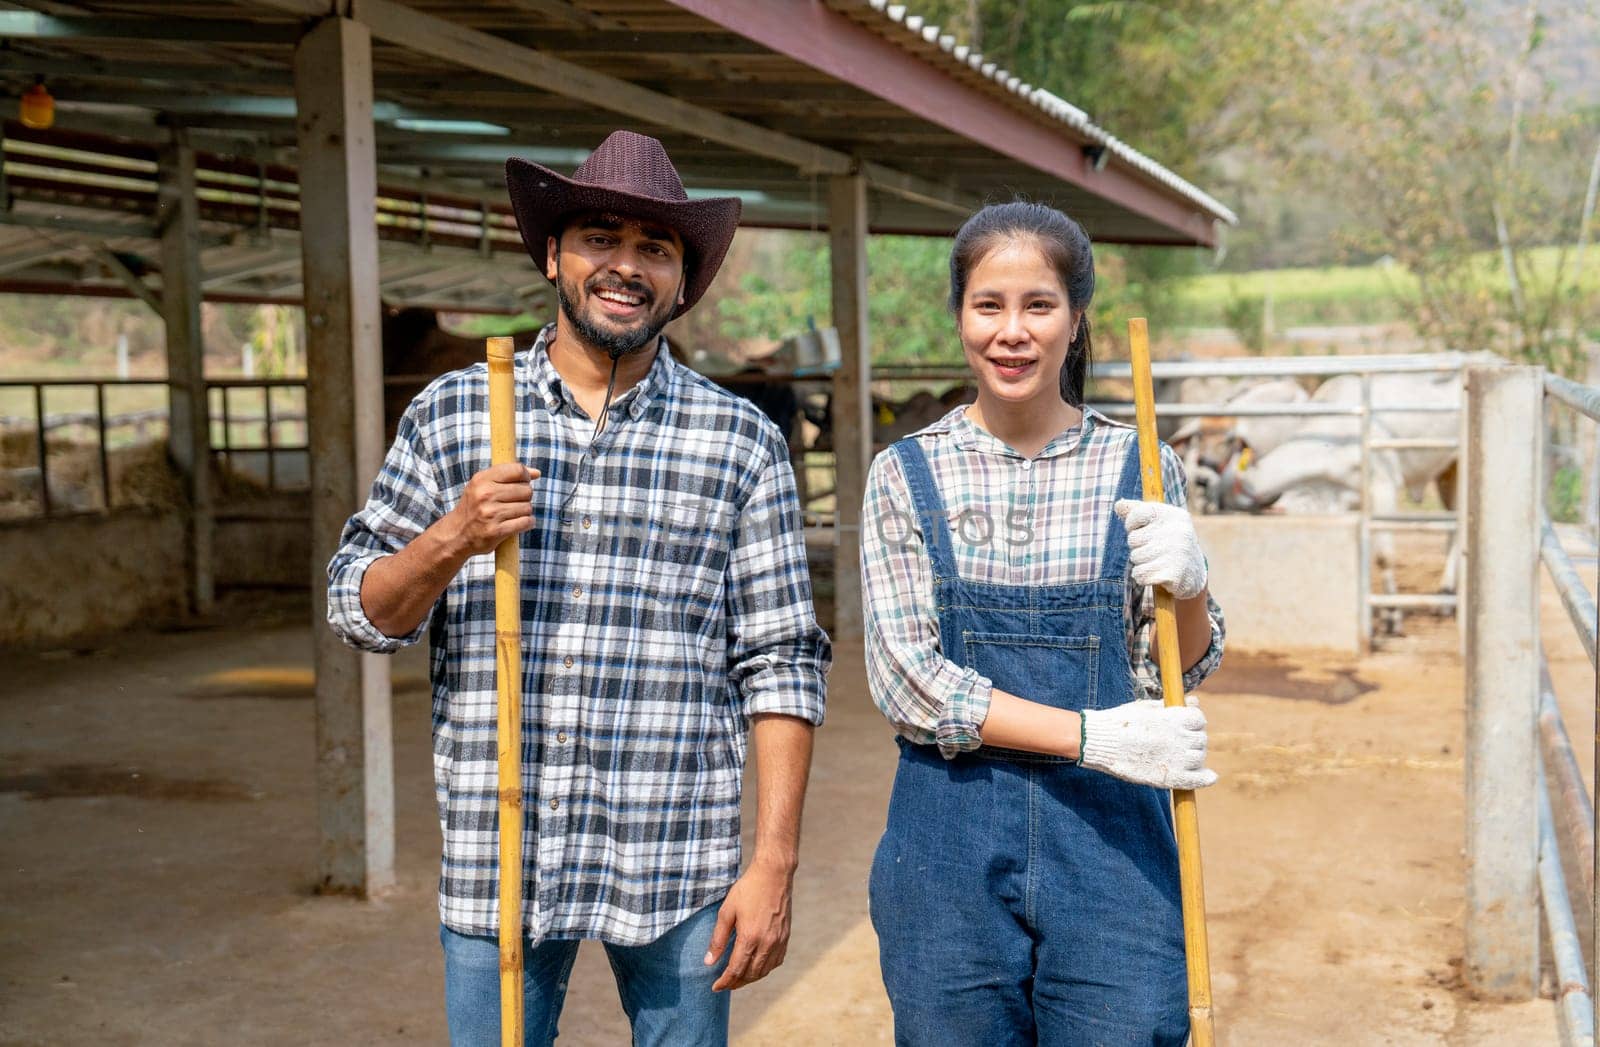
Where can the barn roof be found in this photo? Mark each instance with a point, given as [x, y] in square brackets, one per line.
[762, 100]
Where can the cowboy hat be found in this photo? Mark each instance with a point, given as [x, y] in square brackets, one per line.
[628, 175]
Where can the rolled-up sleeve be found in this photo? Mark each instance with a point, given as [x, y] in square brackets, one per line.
[929, 699]
[1142, 615]
[778, 656]
[403, 502]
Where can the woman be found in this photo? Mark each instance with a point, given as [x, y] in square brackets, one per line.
[1026, 887]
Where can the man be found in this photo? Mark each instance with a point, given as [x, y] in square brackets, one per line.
[666, 609]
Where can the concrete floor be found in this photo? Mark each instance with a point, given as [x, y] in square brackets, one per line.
[156, 808]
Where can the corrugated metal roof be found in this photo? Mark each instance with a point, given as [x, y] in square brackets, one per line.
[896, 22]
[935, 127]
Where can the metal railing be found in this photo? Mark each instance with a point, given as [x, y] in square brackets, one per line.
[1575, 992]
[1370, 519]
[249, 442]
[97, 420]
[1520, 760]
[260, 454]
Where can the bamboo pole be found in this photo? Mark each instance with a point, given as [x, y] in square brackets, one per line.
[1197, 951]
[508, 683]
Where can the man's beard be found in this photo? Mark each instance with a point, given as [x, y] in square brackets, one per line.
[613, 342]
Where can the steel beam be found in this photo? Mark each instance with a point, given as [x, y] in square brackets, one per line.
[1502, 655]
[852, 383]
[344, 407]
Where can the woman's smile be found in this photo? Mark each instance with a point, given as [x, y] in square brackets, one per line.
[1013, 366]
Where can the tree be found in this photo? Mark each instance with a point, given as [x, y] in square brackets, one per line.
[1456, 144]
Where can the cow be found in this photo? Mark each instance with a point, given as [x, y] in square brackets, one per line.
[1318, 467]
[1209, 443]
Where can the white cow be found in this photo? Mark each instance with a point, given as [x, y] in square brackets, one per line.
[1318, 467]
[1209, 443]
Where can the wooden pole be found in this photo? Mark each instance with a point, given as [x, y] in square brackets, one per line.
[508, 683]
[1197, 951]
[852, 393]
[344, 413]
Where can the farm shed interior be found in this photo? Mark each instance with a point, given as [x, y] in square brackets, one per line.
[338, 156]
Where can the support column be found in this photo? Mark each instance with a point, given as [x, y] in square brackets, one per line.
[1502, 654]
[344, 408]
[852, 399]
[188, 416]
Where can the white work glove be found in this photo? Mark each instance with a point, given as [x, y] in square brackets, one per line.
[1147, 743]
[1163, 547]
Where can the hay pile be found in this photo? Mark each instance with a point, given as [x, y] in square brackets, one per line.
[142, 476]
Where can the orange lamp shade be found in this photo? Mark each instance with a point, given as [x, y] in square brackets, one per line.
[37, 109]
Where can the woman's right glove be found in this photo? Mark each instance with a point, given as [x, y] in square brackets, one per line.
[1148, 743]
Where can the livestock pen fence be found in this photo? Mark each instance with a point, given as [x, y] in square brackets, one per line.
[1366, 420]
[1370, 519]
[75, 445]
[1528, 809]
[65, 440]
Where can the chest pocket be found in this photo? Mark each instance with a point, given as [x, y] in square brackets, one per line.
[1059, 671]
[683, 558]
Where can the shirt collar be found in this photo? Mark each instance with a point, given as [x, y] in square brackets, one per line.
[547, 380]
[970, 437]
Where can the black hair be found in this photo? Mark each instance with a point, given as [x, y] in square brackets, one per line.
[1064, 245]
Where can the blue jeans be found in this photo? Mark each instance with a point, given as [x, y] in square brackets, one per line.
[664, 985]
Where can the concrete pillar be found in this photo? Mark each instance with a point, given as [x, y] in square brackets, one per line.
[344, 407]
[1502, 651]
[852, 399]
[188, 434]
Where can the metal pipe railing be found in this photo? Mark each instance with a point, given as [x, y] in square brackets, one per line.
[1268, 367]
[1364, 594]
[1572, 989]
[1566, 780]
[1581, 1026]
[1584, 399]
[102, 424]
[1574, 597]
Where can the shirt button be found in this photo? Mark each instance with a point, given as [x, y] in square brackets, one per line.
[577, 592]
[567, 661]
[554, 804]
[585, 523]
[561, 736]
[1026, 465]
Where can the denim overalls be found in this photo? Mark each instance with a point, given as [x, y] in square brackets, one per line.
[1017, 897]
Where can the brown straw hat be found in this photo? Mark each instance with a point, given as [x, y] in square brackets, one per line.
[628, 175]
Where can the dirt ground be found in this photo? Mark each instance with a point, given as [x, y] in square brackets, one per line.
[156, 808]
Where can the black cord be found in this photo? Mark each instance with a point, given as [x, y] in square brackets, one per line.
[599, 423]
[605, 407]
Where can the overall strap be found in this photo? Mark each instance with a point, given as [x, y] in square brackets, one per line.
[1114, 565]
[929, 506]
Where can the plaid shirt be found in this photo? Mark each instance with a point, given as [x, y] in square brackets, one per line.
[665, 600]
[1013, 521]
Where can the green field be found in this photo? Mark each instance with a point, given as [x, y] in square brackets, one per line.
[1349, 294]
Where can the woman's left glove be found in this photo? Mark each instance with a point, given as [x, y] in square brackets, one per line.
[1163, 547]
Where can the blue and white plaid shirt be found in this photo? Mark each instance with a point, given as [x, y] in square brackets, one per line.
[665, 600]
[1013, 521]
